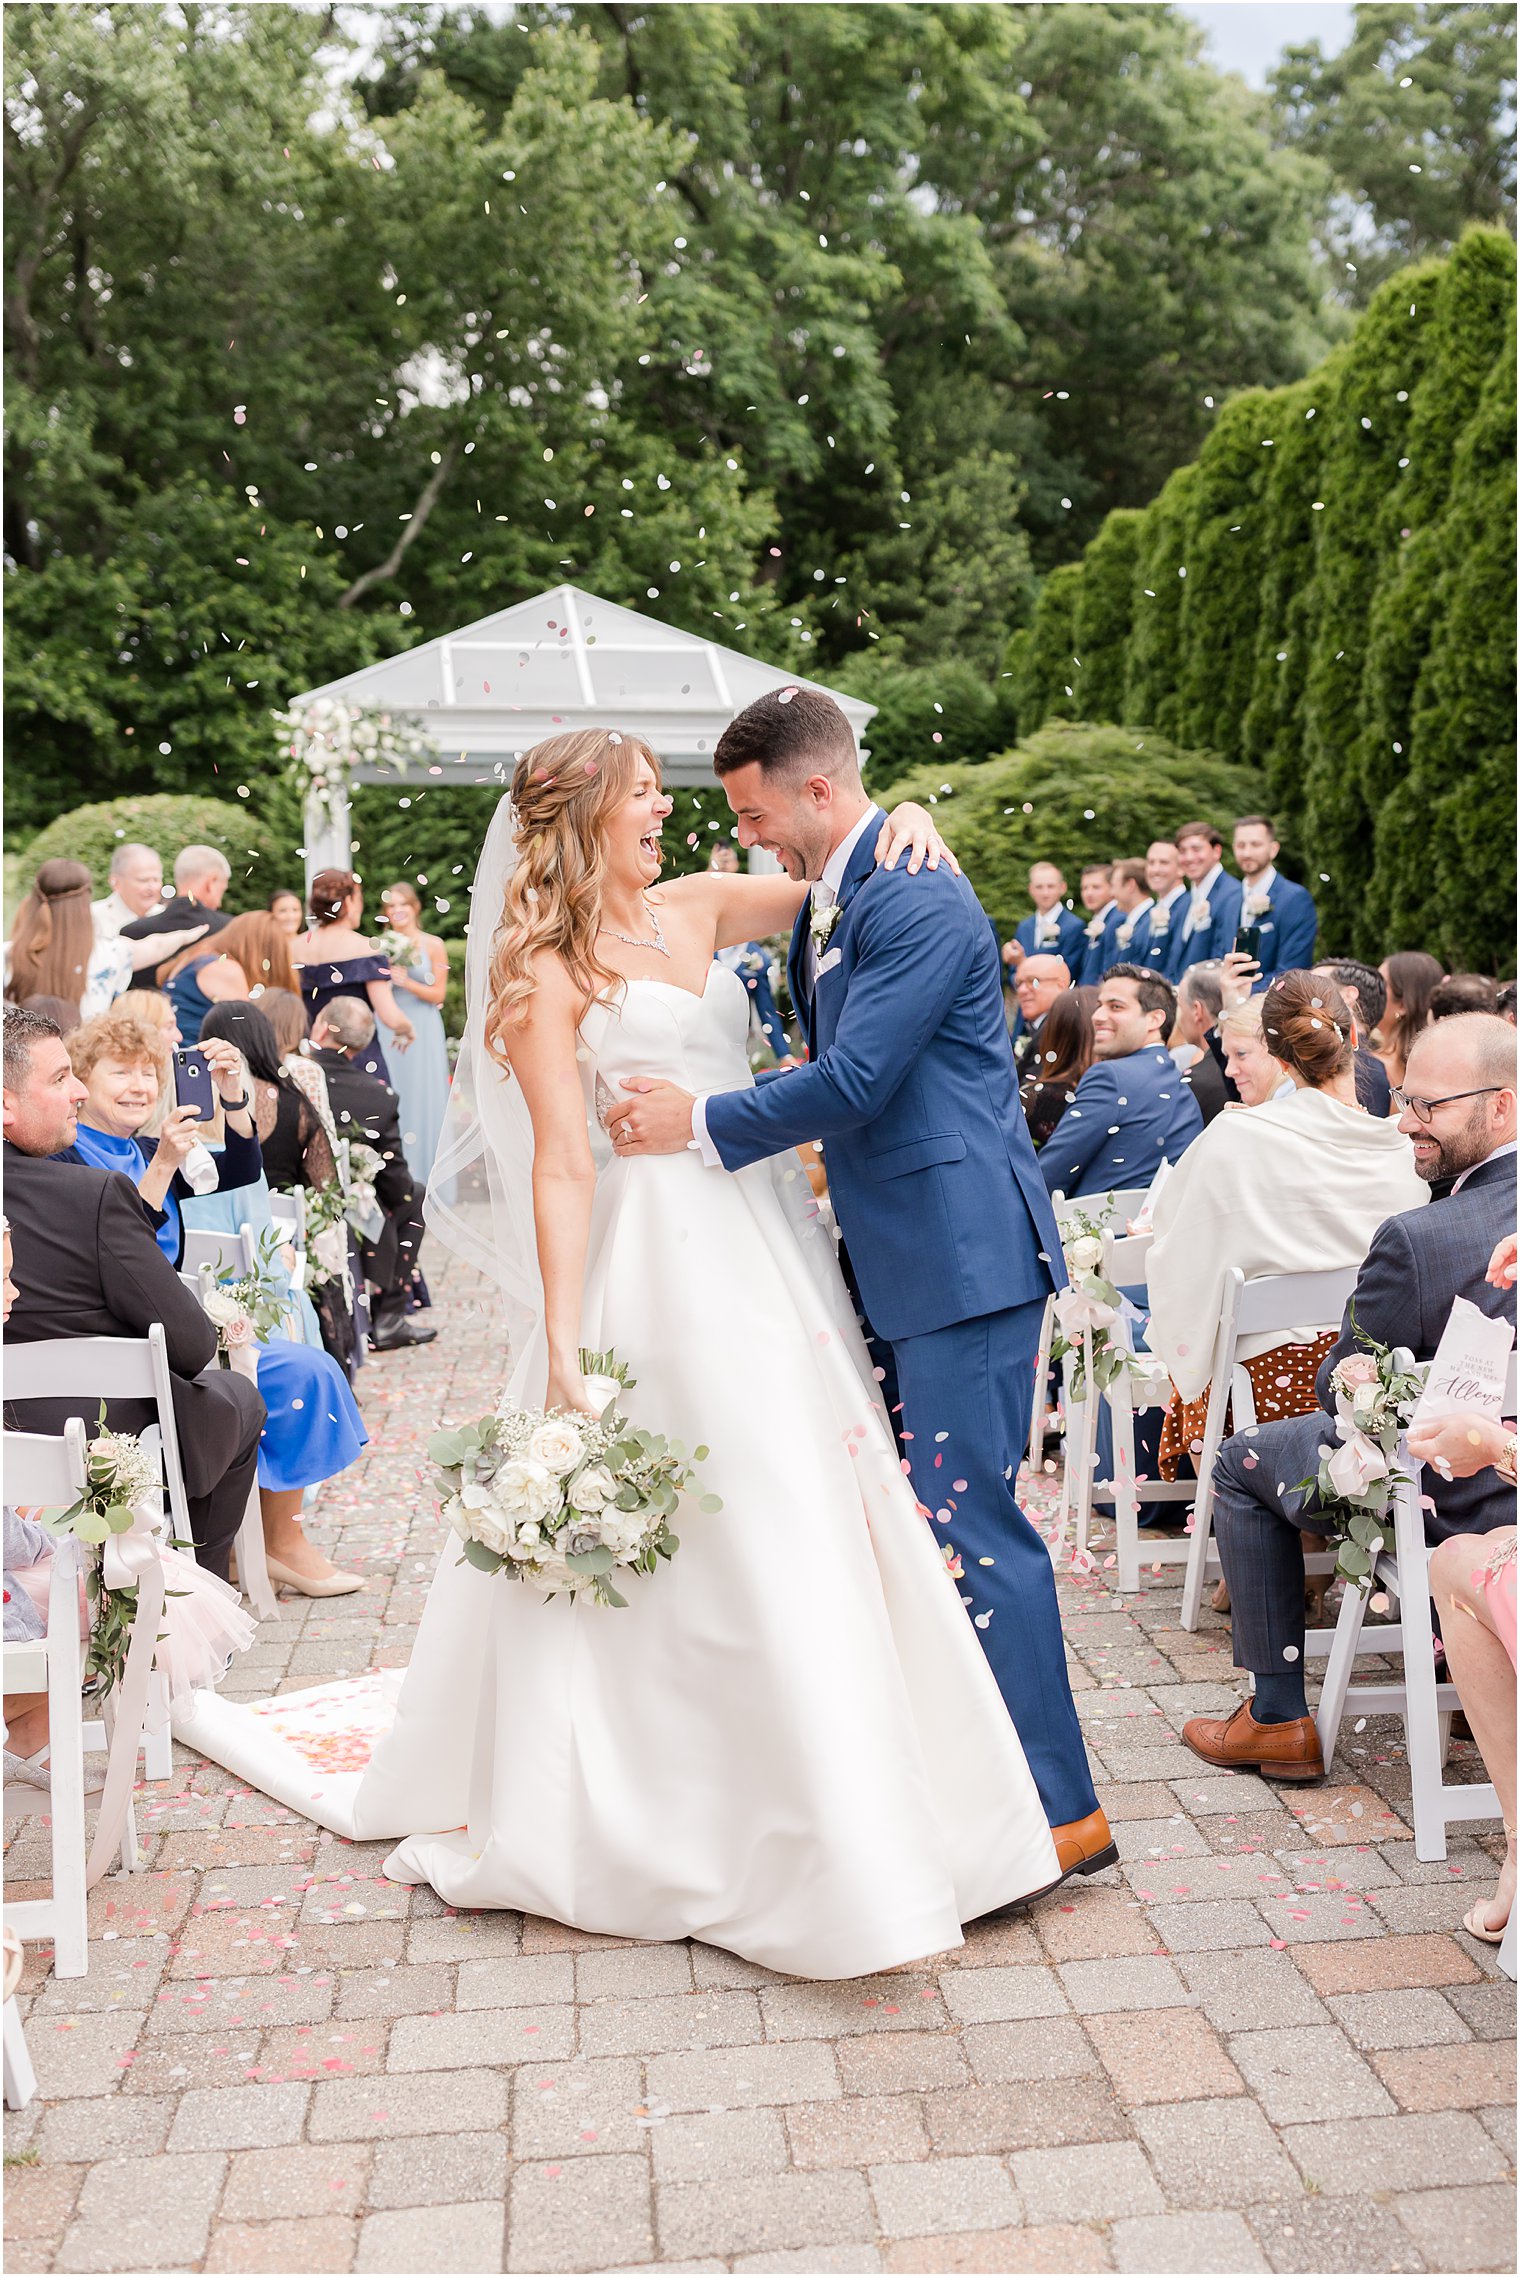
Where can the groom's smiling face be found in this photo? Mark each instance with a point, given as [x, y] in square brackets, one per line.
[797, 821]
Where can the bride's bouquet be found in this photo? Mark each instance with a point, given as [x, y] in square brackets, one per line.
[561, 1500]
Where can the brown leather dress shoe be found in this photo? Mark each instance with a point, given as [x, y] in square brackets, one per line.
[1239, 1743]
[1085, 1846]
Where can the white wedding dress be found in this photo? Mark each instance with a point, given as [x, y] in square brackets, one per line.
[789, 1744]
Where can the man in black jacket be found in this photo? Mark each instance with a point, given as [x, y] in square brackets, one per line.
[1459, 1114]
[365, 1109]
[201, 877]
[87, 1264]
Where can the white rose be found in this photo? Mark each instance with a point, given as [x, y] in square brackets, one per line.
[459, 1518]
[594, 1489]
[623, 1532]
[526, 1490]
[557, 1445]
[1356, 1466]
[1084, 1253]
[602, 1392]
[492, 1531]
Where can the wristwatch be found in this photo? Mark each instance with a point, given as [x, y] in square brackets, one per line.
[236, 1106]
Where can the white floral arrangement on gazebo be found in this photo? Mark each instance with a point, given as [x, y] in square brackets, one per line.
[324, 741]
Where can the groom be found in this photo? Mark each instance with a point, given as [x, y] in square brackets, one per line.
[949, 1231]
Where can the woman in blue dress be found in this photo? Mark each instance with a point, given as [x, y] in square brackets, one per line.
[419, 1076]
[333, 958]
[313, 1428]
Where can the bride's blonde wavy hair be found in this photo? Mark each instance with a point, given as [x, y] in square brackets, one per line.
[562, 792]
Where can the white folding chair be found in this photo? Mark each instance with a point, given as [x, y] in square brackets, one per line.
[20, 2079]
[228, 1254]
[1125, 1263]
[118, 1367]
[1126, 1203]
[1307, 1303]
[1425, 1706]
[49, 1473]
[253, 1567]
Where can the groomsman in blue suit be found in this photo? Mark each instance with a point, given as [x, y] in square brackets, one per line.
[947, 1223]
[1162, 950]
[1281, 913]
[1052, 930]
[1102, 923]
[1212, 917]
[1132, 1110]
[1131, 935]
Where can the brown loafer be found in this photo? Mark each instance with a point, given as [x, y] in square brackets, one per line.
[1240, 1743]
[1085, 1846]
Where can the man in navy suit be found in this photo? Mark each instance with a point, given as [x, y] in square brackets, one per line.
[1212, 916]
[1282, 913]
[1097, 891]
[1131, 936]
[1169, 899]
[948, 1227]
[1459, 1089]
[1132, 1110]
[1053, 930]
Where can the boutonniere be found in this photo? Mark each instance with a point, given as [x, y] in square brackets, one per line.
[1161, 922]
[1094, 928]
[821, 924]
[1256, 905]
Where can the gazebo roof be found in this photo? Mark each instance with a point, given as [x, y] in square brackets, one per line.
[565, 660]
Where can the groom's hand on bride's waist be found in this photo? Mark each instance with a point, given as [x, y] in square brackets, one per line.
[656, 1121]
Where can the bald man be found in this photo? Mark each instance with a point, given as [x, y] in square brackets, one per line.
[1041, 980]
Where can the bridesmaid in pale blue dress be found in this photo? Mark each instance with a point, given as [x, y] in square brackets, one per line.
[420, 1076]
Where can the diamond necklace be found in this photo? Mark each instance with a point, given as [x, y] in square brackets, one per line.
[635, 941]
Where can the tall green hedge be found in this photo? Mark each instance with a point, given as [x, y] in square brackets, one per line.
[1326, 593]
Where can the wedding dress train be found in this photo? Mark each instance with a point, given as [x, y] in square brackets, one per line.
[789, 1744]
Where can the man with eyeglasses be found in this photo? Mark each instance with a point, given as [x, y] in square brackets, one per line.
[1457, 1108]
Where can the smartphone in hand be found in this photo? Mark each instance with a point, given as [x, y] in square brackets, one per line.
[193, 1086]
[1248, 942]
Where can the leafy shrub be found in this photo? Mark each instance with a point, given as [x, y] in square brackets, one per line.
[256, 839]
[1074, 793]
[928, 714]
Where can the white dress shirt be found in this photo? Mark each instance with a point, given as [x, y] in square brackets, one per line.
[1125, 931]
[1258, 891]
[829, 884]
[1166, 904]
[1198, 907]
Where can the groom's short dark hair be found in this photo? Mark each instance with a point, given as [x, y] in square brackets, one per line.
[793, 731]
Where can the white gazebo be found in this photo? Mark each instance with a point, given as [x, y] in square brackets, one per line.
[547, 666]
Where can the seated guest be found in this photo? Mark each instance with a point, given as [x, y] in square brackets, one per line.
[63, 1016]
[1053, 929]
[1169, 896]
[1300, 1185]
[1196, 1049]
[1061, 1055]
[201, 879]
[1097, 950]
[313, 1429]
[1281, 913]
[1364, 992]
[88, 1264]
[248, 955]
[1248, 1062]
[1132, 933]
[1213, 909]
[1463, 992]
[287, 909]
[1041, 979]
[335, 1298]
[203, 1623]
[1408, 979]
[1132, 1110]
[120, 1060]
[365, 1109]
[1473, 1585]
[292, 1139]
[1458, 1109]
[1504, 1002]
[54, 949]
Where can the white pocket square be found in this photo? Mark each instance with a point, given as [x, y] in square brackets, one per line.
[827, 964]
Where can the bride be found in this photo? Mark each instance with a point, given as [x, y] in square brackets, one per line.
[789, 1744]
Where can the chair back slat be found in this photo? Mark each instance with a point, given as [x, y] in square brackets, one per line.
[1125, 1258]
[100, 1367]
[44, 1471]
[1281, 1301]
[230, 1253]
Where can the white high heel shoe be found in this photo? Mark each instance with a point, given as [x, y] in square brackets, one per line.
[332, 1584]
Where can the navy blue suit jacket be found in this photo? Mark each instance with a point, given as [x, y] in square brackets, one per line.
[1127, 1117]
[1218, 937]
[911, 1084]
[1288, 931]
[1163, 950]
[1098, 955]
[1070, 946]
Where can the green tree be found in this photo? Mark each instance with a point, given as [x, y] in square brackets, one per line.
[1048, 674]
[1271, 731]
[1415, 120]
[1071, 793]
[927, 714]
[1104, 614]
[261, 853]
[1152, 684]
